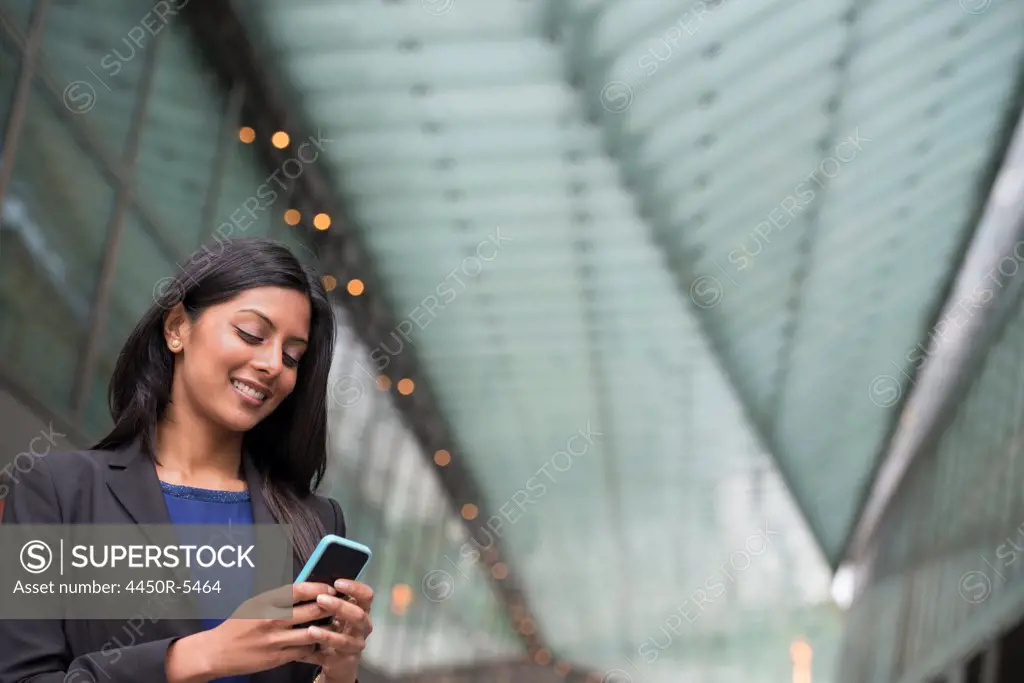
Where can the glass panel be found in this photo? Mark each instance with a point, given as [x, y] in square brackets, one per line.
[424, 571]
[140, 276]
[19, 12]
[179, 141]
[97, 422]
[55, 218]
[96, 58]
[250, 200]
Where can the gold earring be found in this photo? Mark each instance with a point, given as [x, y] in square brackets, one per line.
[175, 344]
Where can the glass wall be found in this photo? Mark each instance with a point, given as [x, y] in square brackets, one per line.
[942, 567]
[178, 145]
[75, 156]
[55, 218]
[96, 58]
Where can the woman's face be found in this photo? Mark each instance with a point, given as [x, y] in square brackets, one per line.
[239, 359]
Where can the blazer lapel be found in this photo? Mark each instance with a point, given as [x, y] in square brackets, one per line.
[132, 479]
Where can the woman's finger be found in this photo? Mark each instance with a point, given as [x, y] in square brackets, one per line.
[311, 611]
[346, 627]
[295, 638]
[344, 611]
[341, 643]
[305, 591]
[362, 593]
[280, 600]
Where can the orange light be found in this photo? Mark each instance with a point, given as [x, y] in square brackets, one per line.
[321, 221]
[562, 669]
[402, 595]
[543, 657]
[526, 627]
[801, 653]
[355, 287]
[442, 458]
[499, 571]
[280, 139]
[329, 282]
[292, 216]
[469, 511]
[406, 386]
[246, 134]
[383, 382]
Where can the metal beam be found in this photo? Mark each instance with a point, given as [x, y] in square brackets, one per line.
[10, 135]
[229, 51]
[795, 304]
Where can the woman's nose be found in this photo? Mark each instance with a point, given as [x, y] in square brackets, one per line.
[268, 361]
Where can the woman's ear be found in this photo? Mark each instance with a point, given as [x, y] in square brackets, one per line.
[176, 328]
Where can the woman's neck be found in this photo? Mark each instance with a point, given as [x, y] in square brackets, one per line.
[194, 454]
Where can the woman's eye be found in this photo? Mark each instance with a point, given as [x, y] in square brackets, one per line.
[250, 338]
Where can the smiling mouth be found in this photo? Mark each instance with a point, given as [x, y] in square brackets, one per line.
[248, 392]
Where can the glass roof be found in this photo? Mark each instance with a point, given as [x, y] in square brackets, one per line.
[703, 233]
[811, 169]
[784, 158]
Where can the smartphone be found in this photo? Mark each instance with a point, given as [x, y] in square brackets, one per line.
[334, 558]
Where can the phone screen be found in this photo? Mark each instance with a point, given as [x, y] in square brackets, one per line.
[338, 562]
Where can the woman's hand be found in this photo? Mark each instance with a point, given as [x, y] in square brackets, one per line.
[249, 642]
[342, 644]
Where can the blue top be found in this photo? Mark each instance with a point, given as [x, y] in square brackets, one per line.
[190, 505]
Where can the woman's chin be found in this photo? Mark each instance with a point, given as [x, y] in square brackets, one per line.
[239, 421]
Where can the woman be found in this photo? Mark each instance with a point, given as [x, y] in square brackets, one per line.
[219, 406]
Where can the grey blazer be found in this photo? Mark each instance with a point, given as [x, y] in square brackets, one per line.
[112, 487]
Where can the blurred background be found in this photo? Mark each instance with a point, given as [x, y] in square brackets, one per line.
[679, 341]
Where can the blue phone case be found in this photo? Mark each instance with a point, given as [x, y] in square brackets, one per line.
[331, 539]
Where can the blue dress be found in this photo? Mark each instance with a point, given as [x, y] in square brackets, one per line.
[190, 505]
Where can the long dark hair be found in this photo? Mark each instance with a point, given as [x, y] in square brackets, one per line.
[289, 447]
